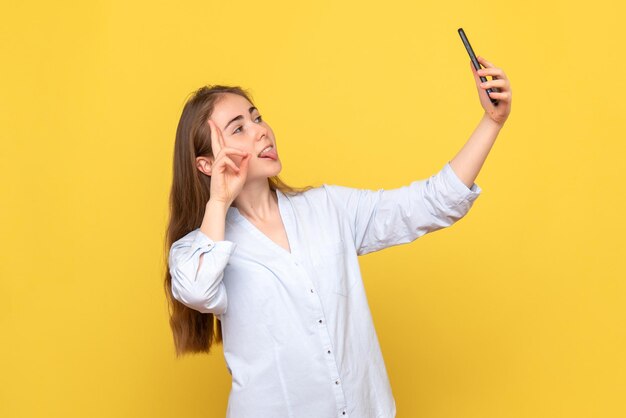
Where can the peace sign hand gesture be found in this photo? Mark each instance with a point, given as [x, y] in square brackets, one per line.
[502, 93]
[227, 179]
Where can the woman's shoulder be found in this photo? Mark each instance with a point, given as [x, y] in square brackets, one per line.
[305, 195]
[320, 198]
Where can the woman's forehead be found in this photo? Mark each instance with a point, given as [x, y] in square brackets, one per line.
[230, 102]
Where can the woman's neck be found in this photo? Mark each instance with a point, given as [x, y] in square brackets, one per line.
[257, 202]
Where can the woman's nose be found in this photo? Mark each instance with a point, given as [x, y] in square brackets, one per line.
[261, 132]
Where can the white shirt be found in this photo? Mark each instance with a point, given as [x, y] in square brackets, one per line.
[298, 335]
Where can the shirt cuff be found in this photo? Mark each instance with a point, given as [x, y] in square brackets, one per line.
[461, 191]
[202, 241]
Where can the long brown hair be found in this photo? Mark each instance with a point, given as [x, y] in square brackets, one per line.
[195, 331]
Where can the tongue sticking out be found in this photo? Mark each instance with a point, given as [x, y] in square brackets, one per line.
[271, 154]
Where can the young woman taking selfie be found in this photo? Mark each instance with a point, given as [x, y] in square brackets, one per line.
[272, 272]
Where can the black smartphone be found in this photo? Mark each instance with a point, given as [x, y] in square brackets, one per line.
[477, 66]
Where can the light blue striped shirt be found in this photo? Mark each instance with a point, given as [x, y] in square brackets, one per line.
[298, 335]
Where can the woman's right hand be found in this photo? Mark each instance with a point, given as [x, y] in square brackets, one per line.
[227, 179]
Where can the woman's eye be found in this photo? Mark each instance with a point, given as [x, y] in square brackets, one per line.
[258, 117]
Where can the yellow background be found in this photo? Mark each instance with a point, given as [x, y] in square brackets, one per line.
[518, 310]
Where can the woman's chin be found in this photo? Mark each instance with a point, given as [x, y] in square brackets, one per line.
[278, 169]
[276, 165]
[270, 171]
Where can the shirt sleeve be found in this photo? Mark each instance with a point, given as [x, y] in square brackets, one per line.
[202, 290]
[383, 218]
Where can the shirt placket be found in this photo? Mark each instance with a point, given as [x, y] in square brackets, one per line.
[329, 354]
[319, 320]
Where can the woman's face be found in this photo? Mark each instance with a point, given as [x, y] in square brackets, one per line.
[243, 128]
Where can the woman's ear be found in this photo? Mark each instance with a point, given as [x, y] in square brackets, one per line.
[204, 164]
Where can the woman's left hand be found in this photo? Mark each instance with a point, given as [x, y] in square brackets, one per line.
[500, 86]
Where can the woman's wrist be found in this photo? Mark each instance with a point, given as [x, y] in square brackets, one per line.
[216, 205]
[213, 223]
[489, 120]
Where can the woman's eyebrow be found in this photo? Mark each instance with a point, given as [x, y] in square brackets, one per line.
[252, 109]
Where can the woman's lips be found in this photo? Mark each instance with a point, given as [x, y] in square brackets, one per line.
[271, 154]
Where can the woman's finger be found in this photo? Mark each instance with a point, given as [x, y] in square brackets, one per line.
[215, 142]
[474, 72]
[494, 72]
[232, 165]
[220, 137]
[490, 69]
[227, 161]
[484, 62]
[494, 83]
[230, 151]
[502, 96]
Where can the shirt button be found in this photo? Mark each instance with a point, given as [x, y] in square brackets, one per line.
[320, 321]
[336, 382]
[343, 413]
[328, 351]
[311, 290]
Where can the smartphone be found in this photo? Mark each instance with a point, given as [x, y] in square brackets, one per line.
[477, 66]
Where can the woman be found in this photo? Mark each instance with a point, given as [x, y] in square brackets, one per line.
[278, 267]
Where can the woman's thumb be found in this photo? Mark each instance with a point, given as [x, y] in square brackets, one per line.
[244, 162]
[473, 70]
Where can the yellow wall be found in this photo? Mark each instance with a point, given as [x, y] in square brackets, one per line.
[518, 310]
